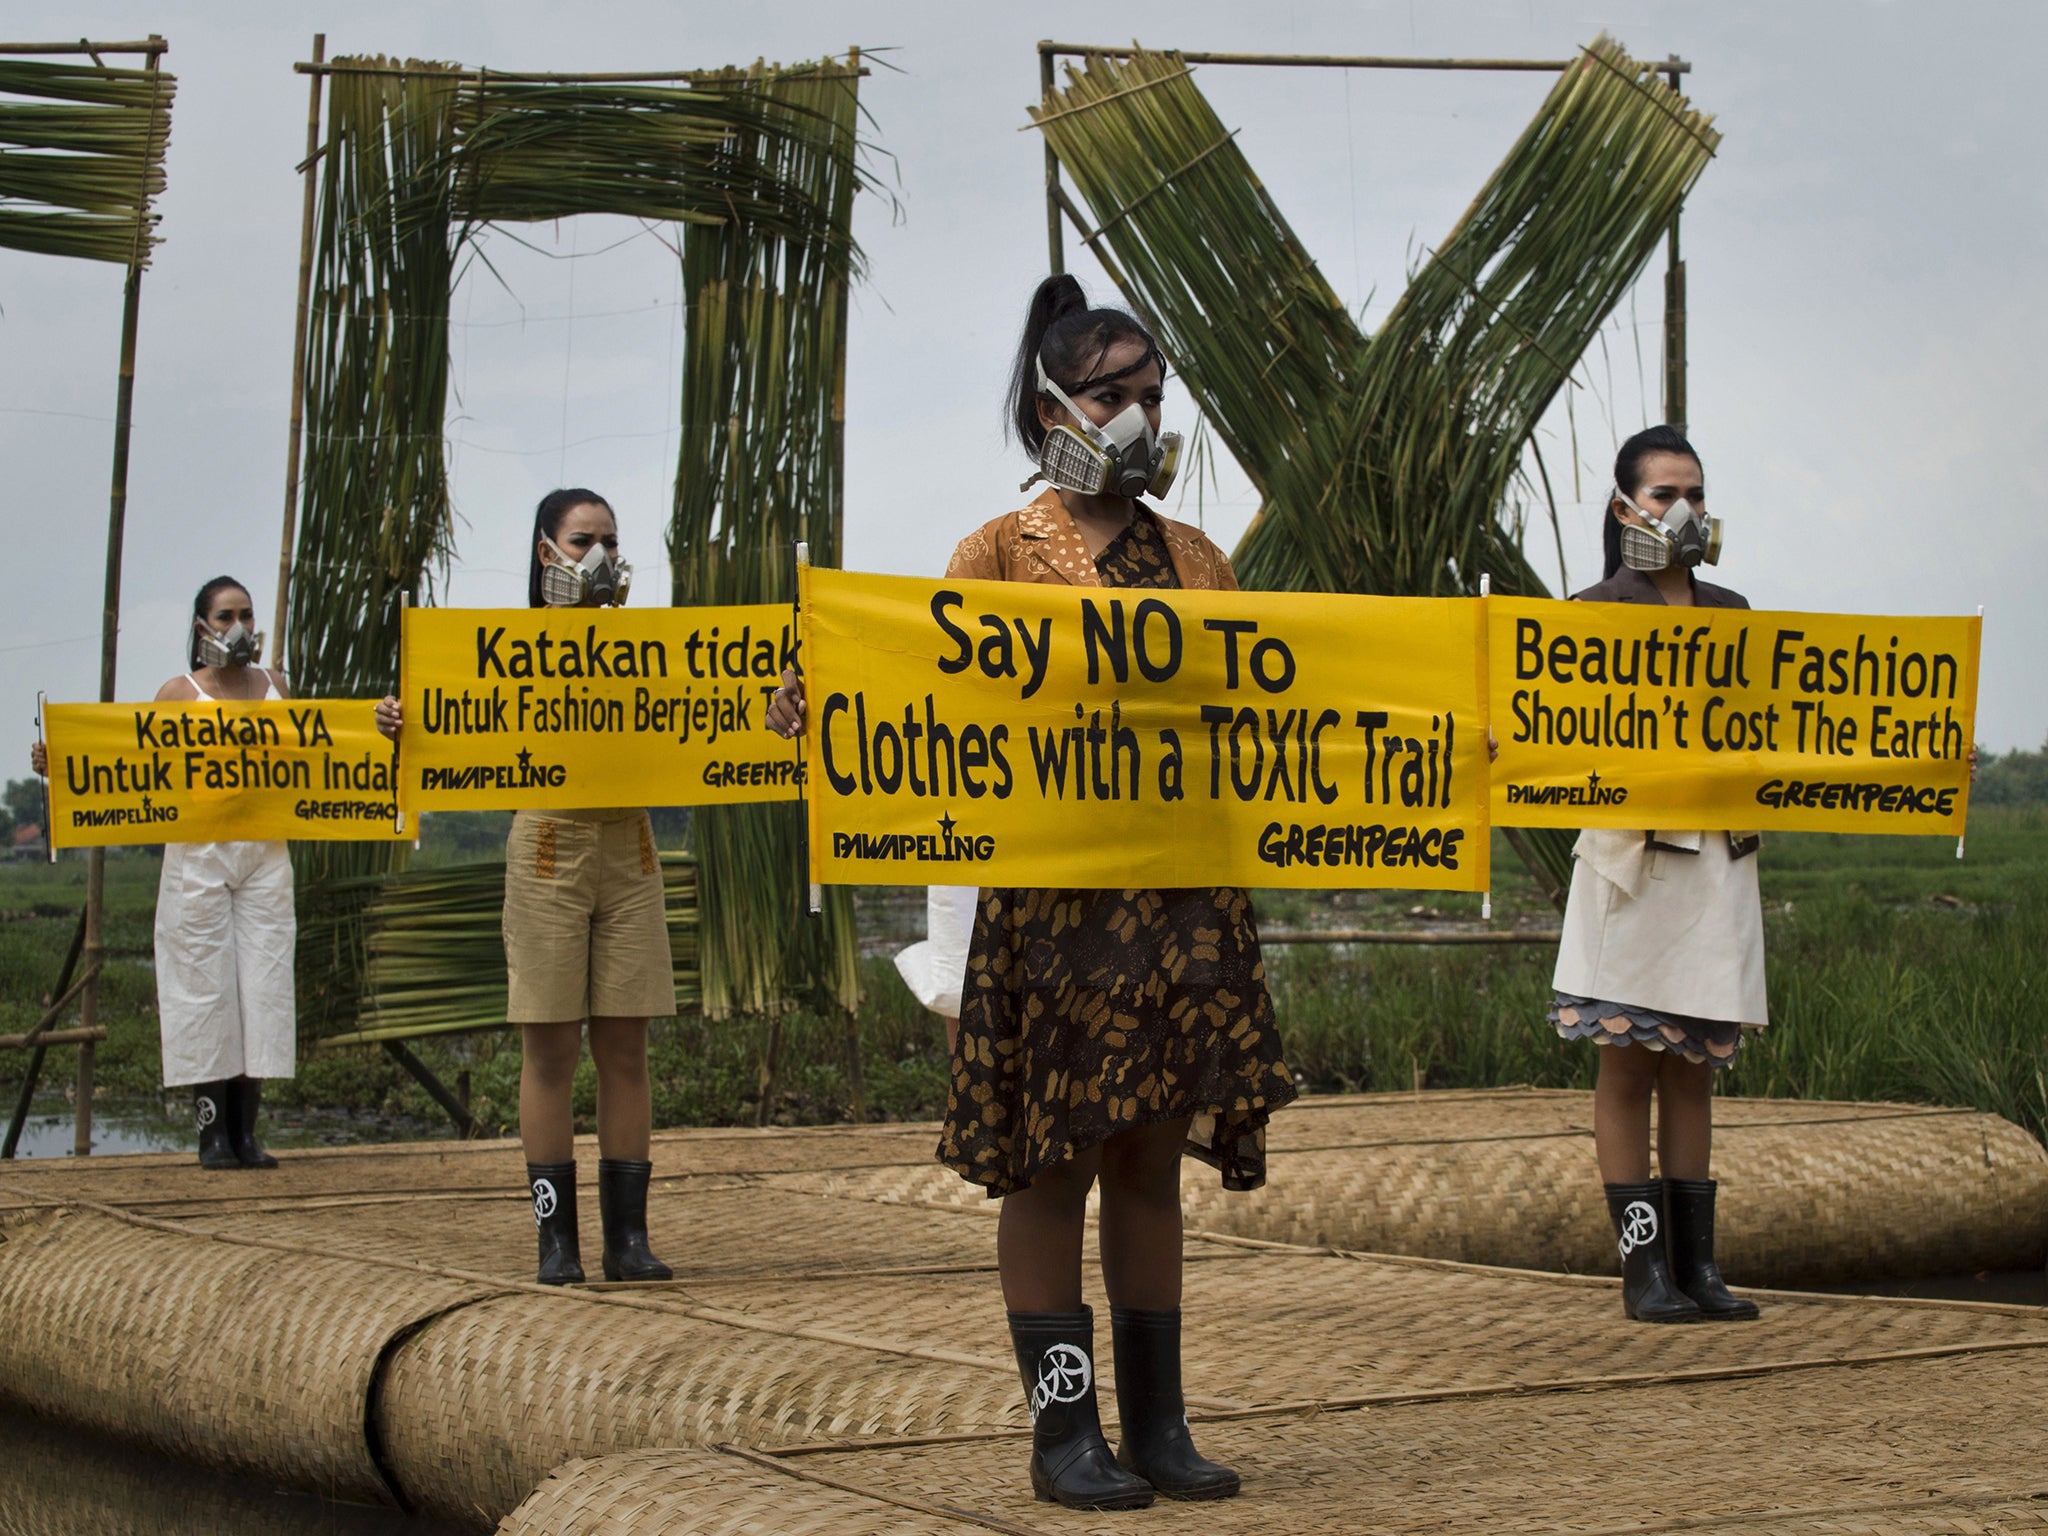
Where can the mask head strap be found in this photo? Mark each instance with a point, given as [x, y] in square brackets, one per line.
[1151, 355]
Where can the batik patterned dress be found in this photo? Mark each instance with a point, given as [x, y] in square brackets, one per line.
[1089, 1013]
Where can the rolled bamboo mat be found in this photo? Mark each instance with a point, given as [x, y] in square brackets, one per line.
[56, 1482]
[643, 1492]
[478, 1408]
[236, 1358]
[1811, 1194]
[1835, 1200]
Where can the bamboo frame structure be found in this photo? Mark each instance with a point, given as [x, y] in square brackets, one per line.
[1058, 205]
[757, 169]
[91, 941]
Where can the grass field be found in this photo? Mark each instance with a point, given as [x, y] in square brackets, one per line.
[1896, 973]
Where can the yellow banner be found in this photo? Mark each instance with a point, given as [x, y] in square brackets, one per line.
[314, 770]
[1012, 733]
[1689, 719]
[544, 708]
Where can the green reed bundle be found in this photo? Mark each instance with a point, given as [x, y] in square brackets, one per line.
[762, 466]
[82, 161]
[759, 169]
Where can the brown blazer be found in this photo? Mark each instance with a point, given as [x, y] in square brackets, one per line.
[1041, 543]
[1632, 586]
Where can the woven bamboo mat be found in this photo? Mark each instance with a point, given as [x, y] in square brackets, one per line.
[362, 1323]
[167, 1179]
[239, 1358]
[1886, 1448]
[54, 1483]
[1816, 1198]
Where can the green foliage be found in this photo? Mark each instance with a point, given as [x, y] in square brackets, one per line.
[21, 804]
[82, 164]
[2017, 778]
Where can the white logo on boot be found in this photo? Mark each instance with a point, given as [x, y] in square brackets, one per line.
[207, 1113]
[1638, 1226]
[1064, 1376]
[543, 1200]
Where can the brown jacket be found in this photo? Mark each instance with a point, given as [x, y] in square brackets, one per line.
[1041, 543]
[1632, 586]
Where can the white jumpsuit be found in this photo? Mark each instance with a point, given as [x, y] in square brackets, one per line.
[226, 932]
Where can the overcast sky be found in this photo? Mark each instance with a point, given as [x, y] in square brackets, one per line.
[1865, 259]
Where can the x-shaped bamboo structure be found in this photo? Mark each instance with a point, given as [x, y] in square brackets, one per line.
[1384, 463]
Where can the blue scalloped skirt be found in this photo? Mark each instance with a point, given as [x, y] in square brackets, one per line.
[1591, 1018]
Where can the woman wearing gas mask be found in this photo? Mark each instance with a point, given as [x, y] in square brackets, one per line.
[586, 937]
[1102, 1033]
[1662, 958]
[225, 925]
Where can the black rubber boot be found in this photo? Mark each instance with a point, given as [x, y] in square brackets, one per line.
[245, 1097]
[622, 1206]
[553, 1186]
[1648, 1292]
[213, 1108]
[1689, 1204]
[1070, 1461]
[1156, 1444]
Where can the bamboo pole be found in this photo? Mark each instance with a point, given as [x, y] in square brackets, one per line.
[1674, 306]
[1336, 60]
[511, 77]
[33, 1041]
[771, 1067]
[296, 438]
[152, 46]
[34, 1071]
[438, 1091]
[1056, 257]
[95, 951]
[1401, 936]
[855, 1077]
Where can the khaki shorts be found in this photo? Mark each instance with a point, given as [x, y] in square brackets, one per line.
[586, 928]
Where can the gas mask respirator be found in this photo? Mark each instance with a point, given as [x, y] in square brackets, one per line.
[237, 648]
[595, 581]
[1120, 458]
[1682, 536]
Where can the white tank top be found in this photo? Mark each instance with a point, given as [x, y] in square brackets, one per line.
[269, 691]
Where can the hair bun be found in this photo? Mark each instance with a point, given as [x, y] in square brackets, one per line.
[1058, 296]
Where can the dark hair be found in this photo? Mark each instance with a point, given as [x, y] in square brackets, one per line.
[547, 520]
[1072, 339]
[1628, 469]
[200, 604]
